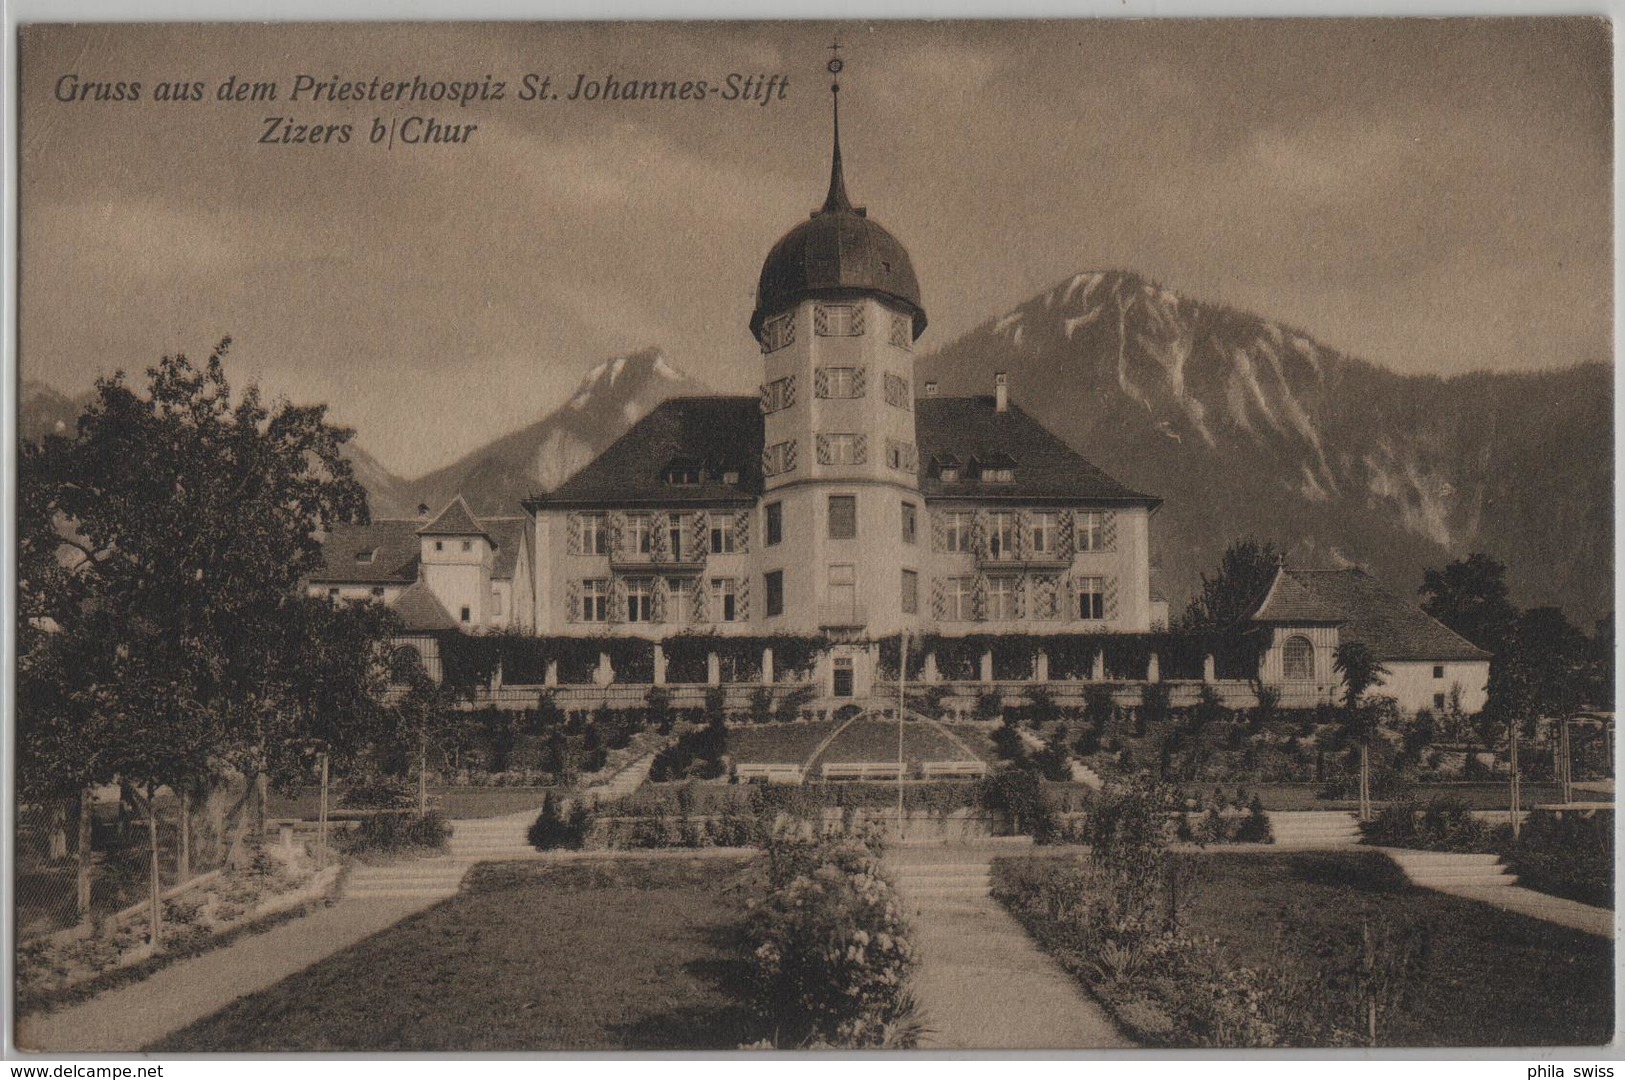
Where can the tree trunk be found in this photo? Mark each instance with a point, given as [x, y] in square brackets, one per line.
[1512, 761]
[157, 917]
[1365, 780]
[85, 808]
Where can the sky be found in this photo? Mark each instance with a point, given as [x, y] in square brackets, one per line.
[1433, 196]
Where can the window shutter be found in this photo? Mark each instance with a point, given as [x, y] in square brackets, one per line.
[742, 531]
[939, 599]
[939, 533]
[617, 535]
[742, 599]
[699, 532]
[820, 324]
[1044, 596]
[572, 602]
[659, 543]
[1066, 535]
[701, 598]
[1108, 531]
[979, 534]
[860, 448]
[572, 540]
[825, 456]
[979, 599]
[1110, 589]
[857, 320]
[820, 376]
[1021, 540]
[617, 600]
[860, 378]
[1020, 598]
[789, 396]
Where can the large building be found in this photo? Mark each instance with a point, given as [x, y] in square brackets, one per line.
[847, 500]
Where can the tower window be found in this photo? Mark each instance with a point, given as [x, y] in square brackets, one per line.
[840, 382]
[910, 523]
[843, 517]
[911, 592]
[468, 545]
[902, 331]
[838, 320]
[843, 448]
[778, 332]
[640, 600]
[466, 614]
[774, 580]
[779, 458]
[774, 524]
[778, 394]
[594, 535]
[724, 600]
[902, 456]
[897, 391]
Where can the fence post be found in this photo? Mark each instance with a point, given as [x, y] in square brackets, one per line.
[183, 861]
[987, 665]
[1098, 672]
[660, 665]
[1209, 668]
[713, 669]
[86, 808]
[551, 676]
[767, 665]
[1153, 669]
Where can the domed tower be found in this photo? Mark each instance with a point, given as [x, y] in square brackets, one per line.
[837, 314]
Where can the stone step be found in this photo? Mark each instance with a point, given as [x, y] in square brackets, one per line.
[942, 891]
[399, 894]
[1467, 881]
[925, 868]
[1428, 859]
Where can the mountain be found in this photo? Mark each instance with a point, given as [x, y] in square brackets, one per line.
[611, 398]
[1247, 427]
[42, 411]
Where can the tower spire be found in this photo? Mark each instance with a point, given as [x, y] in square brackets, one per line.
[836, 200]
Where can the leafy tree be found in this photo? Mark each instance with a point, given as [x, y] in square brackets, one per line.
[160, 551]
[1470, 596]
[1360, 671]
[1235, 589]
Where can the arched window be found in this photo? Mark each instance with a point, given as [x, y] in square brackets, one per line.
[403, 659]
[1298, 659]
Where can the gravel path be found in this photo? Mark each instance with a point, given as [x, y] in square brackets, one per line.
[982, 983]
[132, 1016]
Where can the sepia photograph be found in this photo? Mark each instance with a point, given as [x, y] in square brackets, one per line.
[764, 536]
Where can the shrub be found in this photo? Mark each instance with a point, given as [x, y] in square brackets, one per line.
[394, 834]
[657, 705]
[379, 793]
[1099, 705]
[832, 954]
[552, 830]
[761, 705]
[1007, 742]
[1055, 760]
[1017, 793]
[989, 706]
[1570, 856]
[1444, 824]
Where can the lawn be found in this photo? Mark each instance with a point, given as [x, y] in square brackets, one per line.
[625, 954]
[778, 744]
[876, 740]
[1490, 978]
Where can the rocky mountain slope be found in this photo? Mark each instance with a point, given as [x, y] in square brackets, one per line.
[1248, 427]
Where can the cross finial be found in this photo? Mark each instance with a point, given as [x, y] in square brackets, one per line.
[836, 200]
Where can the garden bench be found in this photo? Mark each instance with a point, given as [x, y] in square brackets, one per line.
[953, 770]
[862, 770]
[773, 774]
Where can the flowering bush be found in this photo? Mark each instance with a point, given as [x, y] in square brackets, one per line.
[832, 954]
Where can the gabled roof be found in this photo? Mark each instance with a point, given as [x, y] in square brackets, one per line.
[725, 432]
[455, 520]
[1045, 467]
[1390, 625]
[394, 544]
[632, 471]
[420, 610]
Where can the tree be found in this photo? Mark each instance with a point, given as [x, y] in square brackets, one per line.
[1235, 589]
[1360, 671]
[1470, 596]
[159, 550]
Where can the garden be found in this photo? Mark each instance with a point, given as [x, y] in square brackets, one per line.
[1303, 949]
[799, 946]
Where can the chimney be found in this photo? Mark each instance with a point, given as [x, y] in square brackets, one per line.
[930, 389]
[1001, 391]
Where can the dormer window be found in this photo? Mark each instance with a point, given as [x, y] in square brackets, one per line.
[685, 472]
[368, 556]
[730, 476]
[778, 332]
[998, 468]
[947, 467]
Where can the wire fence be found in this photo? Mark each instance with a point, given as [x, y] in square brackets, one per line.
[56, 889]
